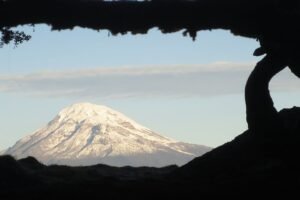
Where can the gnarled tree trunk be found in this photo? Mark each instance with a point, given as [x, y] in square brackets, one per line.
[262, 116]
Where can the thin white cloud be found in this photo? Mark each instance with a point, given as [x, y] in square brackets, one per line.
[217, 78]
[126, 70]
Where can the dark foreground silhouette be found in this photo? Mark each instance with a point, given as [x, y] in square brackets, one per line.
[245, 166]
[261, 161]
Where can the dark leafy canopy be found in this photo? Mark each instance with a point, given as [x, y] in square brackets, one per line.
[277, 20]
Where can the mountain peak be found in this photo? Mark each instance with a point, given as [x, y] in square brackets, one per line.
[86, 134]
[87, 109]
[86, 106]
[95, 114]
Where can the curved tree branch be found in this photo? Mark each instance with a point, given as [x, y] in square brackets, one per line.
[262, 116]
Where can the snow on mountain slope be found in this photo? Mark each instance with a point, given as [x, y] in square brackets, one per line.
[87, 134]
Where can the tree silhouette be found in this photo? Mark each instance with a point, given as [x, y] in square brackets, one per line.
[17, 37]
[273, 22]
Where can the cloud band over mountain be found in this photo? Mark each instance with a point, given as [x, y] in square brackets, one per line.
[219, 78]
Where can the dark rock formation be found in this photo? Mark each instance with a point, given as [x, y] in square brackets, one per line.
[247, 165]
[275, 20]
[262, 116]
[263, 160]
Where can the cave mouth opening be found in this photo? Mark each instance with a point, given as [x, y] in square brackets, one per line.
[213, 56]
[175, 69]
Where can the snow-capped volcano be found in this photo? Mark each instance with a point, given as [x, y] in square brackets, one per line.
[87, 134]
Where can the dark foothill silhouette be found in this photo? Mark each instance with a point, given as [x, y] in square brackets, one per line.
[263, 160]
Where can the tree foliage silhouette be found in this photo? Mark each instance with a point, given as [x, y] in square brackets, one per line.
[17, 37]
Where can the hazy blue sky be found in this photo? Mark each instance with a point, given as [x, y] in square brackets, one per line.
[190, 91]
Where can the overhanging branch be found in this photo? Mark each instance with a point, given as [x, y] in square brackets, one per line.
[255, 19]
